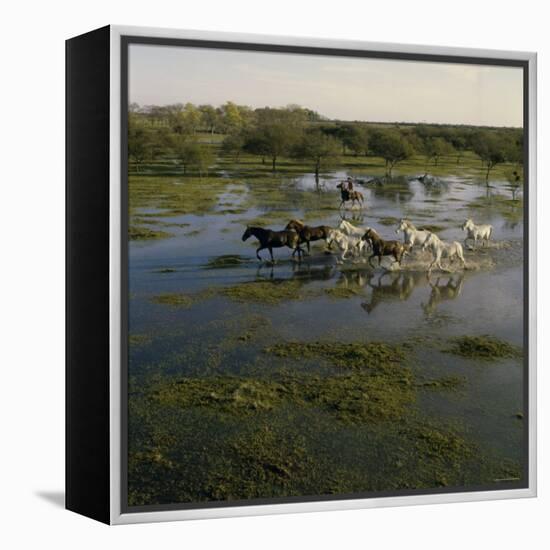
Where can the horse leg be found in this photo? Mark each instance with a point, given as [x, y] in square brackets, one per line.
[434, 262]
[258, 251]
[438, 261]
[271, 254]
[308, 247]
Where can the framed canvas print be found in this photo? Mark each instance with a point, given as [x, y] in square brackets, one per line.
[300, 274]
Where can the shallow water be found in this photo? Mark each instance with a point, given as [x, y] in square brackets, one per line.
[384, 306]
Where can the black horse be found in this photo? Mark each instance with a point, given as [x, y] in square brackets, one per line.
[274, 239]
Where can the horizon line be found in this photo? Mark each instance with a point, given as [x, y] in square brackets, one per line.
[326, 119]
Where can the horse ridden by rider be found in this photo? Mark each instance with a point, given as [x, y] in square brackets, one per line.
[347, 193]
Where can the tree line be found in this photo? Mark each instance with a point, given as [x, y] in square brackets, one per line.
[303, 134]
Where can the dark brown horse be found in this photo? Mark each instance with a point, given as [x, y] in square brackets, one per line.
[308, 234]
[349, 195]
[274, 239]
[381, 247]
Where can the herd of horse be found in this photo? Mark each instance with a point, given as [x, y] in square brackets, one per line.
[353, 242]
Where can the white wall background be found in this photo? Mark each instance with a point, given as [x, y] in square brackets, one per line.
[32, 272]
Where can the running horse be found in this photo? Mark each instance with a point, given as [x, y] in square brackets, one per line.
[380, 247]
[273, 239]
[347, 195]
[307, 233]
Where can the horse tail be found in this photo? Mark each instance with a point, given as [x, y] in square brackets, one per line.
[490, 232]
[360, 196]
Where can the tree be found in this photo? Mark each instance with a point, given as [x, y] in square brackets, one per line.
[181, 148]
[192, 154]
[254, 142]
[515, 180]
[200, 157]
[160, 140]
[277, 140]
[435, 148]
[210, 118]
[184, 119]
[235, 118]
[277, 131]
[492, 148]
[515, 147]
[353, 137]
[233, 145]
[191, 118]
[460, 145]
[392, 147]
[139, 141]
[318, 148]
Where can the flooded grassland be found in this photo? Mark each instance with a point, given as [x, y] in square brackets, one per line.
[251, 380]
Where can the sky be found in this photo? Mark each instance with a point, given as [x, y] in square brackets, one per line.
[342, 88]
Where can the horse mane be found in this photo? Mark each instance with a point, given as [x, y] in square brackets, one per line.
[408, 223]
[374, 232]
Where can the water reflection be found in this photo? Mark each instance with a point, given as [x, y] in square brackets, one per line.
[377, 288]
[353, 216]
[302, 271]
[443, 291]
[391, 287]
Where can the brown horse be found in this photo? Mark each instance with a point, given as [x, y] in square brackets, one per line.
[347, 194]
[381, 247]
[308, 234]
[273, 239]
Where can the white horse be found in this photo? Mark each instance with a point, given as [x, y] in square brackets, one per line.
[350, 229]
[441, 249]
[346, 243]
[411, 235]
[476, 232]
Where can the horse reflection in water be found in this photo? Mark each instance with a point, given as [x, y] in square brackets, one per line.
[392, 286]
[450, 290]
[303, 272]
[356, 216]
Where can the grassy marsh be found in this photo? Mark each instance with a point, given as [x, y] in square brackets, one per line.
[231, 408]
[485, 347]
